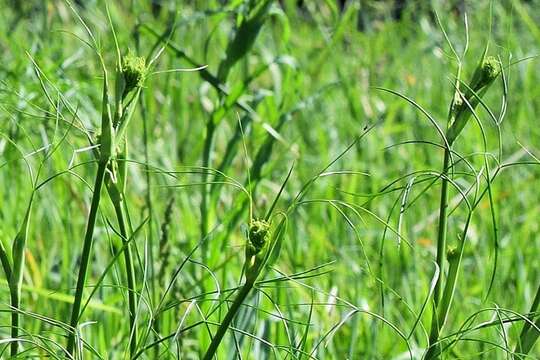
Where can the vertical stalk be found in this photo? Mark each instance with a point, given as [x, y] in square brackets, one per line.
[441, 251]
[257, 253]
[16, 275]
[240, 298]
[461, 109]
[454, 257]
[116, 184]
[130, 274]
[87, 248]
[15, 302]
[443, 224]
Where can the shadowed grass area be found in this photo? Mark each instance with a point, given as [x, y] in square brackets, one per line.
[396, 185]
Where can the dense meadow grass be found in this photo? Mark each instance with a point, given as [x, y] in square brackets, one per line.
[269, 180]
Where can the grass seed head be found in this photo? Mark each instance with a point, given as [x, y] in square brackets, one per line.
[464, 104]
[258, 234]
[491, 67]
[487, 71]
[134, 71]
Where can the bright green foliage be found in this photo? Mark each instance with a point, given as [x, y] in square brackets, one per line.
[343, 264]
[244, 37]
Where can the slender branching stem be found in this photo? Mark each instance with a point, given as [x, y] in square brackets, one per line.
[85, 257]
[442, 229]
[454, 257]
[15, 303]
[257, 253]
[461, 109]
[233, 310]
[149, 206]
[130, 272]
[15, 275]
[441, 252]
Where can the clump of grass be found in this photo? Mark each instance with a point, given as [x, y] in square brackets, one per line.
[296, 110]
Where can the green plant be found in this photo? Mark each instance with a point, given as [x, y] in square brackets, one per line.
[529, 332]
[239, 47]
[352, 274]
[259, 240]
[461, 110]
[112, 156]
[130, 78]
[106, 151]
[13, 269]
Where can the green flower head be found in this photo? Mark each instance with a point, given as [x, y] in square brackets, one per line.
[487, 71]
[491, 67]
[258, 234]
[134, 71]
[464, 104]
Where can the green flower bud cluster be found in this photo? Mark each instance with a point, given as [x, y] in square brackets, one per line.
[258, 235]
[486, 72]
[133, 71]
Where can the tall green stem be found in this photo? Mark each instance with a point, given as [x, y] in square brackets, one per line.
[15, 302]
[85, 257]
[148, 198]
[240, 298]
[454, 257]
[461, 109]
[257, 252]
[442, 229]
[441, 251]
[130, 271]
[15, 275]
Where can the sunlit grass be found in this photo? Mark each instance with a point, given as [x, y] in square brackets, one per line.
[396, 194]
